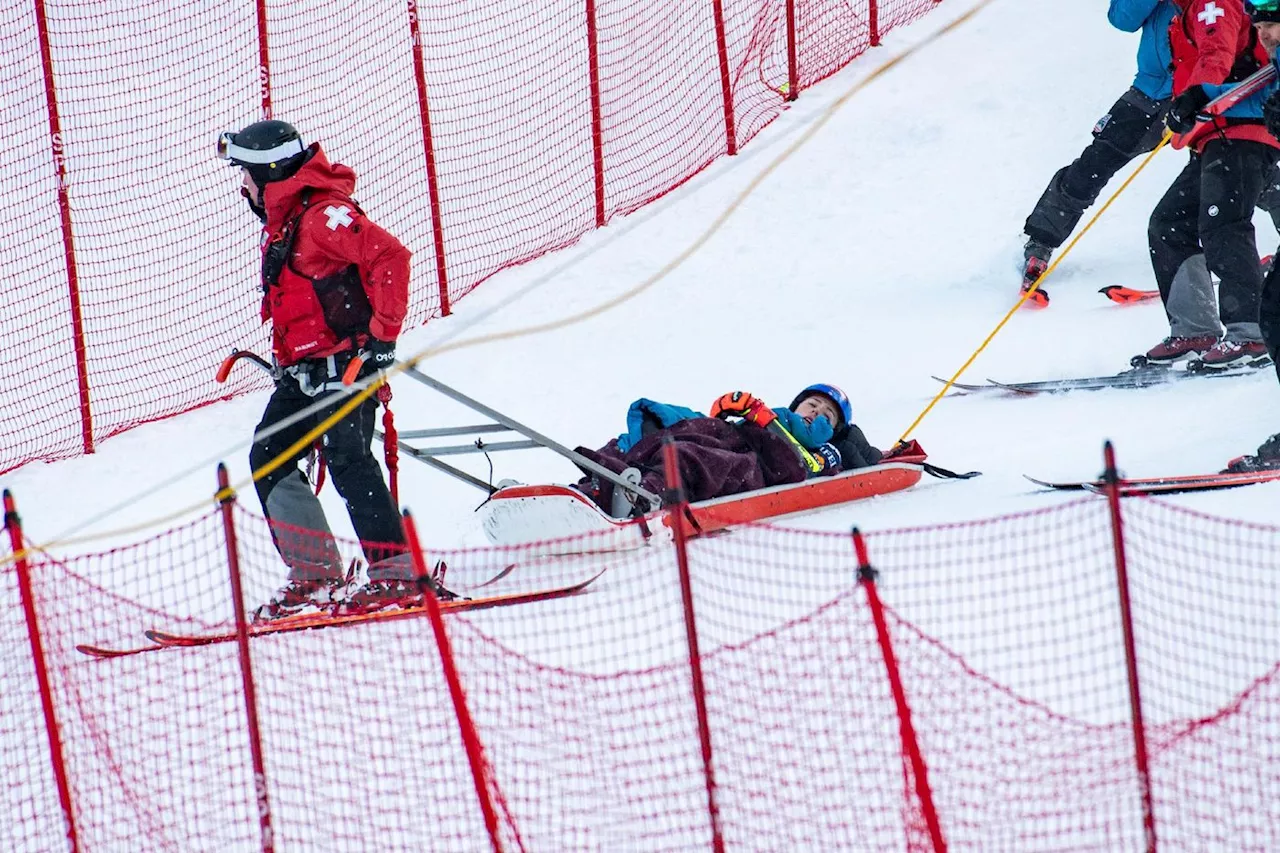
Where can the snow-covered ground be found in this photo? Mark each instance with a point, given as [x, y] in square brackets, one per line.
[883, 251]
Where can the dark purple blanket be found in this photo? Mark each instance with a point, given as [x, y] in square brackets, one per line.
[716, 458]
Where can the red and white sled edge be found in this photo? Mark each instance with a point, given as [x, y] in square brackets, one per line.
[521, 515]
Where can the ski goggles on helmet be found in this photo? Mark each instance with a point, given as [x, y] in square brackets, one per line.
[1263, 10]
[240, 156]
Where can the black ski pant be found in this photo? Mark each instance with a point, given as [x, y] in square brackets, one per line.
[1270, 199]
[298, 526]
[1269, 314]
[1134, 126]
[1203, 225]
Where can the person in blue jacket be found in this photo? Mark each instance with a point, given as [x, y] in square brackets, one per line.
[817, 432]
[820, 419]
[1134, 126]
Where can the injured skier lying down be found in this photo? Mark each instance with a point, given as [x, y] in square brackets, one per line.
[813, 437]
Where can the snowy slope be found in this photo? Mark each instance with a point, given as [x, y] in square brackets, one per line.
[882, 252]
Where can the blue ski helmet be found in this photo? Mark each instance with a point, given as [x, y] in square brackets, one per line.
[832, 393]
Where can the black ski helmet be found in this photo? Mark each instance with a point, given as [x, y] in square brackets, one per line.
[1263, 11]
[271, 150]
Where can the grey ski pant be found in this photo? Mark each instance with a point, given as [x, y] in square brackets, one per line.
[298, 526]
[1203, 225]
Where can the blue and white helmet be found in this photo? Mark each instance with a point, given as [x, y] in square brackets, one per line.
[832, 393]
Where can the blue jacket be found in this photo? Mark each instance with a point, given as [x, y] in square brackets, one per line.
[1250, 107]
[657, 415]
[1154, 56]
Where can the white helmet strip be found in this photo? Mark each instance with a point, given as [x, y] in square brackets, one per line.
[283, 151]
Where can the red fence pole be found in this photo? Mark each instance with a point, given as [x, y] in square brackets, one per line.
[467, 726]
[873, 17]
[793, 72]
[597, 134]
[722, 48]
[64, 214]
[1111, 477]
[14, 525]
[910, 745]
[676, 510]
[428, 146]
[264, 60]
[227, 499]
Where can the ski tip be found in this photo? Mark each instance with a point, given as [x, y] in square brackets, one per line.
[1122, 295]
[99, 653]
[1056, 487]
[1014, 388]
[93, 651]
[954, 387]
[1037, 300]
[166, 639]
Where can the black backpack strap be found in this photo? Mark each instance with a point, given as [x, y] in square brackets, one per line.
[944, 474]
[278, 251]
[1246, 63]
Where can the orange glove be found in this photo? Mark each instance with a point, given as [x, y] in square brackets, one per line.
[740, 404]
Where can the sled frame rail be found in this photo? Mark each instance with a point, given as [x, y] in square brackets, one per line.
[501, 423]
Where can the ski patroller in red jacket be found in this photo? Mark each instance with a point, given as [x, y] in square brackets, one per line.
[334, 246]
[1213, 42]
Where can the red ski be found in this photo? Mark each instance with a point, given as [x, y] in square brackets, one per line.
[310, 621]
[1168, 485]
[1122, 295]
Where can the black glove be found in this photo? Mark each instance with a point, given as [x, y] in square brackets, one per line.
[1185, 109]
[1271, 113]
[381, 354]
[830, 457]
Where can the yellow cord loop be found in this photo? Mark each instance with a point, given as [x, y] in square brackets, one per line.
[529, 331]
[1033, 288]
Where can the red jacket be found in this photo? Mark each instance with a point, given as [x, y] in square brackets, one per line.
[333, 242]
[1213, 42]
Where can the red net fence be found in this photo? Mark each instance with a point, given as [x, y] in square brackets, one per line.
[484, 135]
[974, 694]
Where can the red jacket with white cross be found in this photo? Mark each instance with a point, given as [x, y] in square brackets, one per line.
[332, 235]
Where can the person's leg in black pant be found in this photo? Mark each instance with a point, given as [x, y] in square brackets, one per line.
[1132, 127]
[298, 526]
[1173, 236]
[358, 478]
[1233, 176]
[1269, 315]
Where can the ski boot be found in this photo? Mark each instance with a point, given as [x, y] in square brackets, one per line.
[1266, 459]
[1174, 349]
[1228, 355]
[624, 500]
[299, 597]
[1035, 262]
[394, 593]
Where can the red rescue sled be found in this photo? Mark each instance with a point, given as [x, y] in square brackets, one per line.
[518, 515]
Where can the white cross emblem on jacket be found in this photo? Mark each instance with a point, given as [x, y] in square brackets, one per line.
[1212, 12]
[337, 216]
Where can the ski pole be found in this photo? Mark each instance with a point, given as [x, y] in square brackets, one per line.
[1255, 82]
